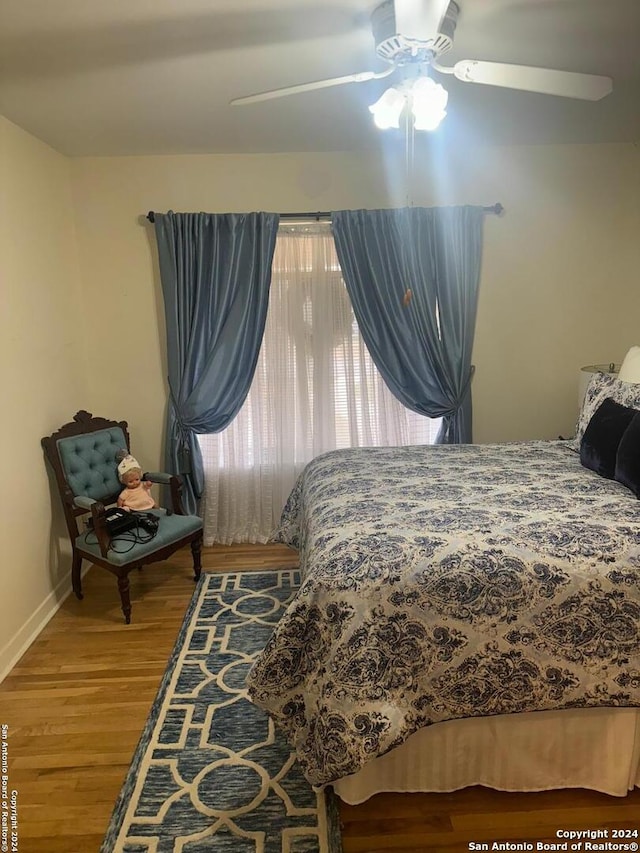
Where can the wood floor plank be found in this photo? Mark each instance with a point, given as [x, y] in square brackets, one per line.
[77, 702]
[530, 821]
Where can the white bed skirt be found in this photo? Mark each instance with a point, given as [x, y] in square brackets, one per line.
[595, 748]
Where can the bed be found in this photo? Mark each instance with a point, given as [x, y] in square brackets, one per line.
[468, 614]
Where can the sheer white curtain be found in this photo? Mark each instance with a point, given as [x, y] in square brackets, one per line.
[315, 389]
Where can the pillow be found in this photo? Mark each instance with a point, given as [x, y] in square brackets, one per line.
[601, 386]
[628, 458]
[602, 437]
[630, 367]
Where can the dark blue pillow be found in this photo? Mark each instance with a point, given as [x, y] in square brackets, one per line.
[628, 457]
[602, 437]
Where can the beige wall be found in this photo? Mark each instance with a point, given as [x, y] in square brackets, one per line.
[560, 284]
[43, 375]
[82, 323]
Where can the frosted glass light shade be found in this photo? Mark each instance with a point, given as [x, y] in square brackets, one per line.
[387, 109]
[428, 102]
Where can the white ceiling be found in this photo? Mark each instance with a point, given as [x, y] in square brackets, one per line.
[111, 77]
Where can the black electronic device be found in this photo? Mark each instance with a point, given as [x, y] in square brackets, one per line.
[133, 523]
[147, 520]
[118, 520]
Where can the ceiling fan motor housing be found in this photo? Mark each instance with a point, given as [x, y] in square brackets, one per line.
[399, 48]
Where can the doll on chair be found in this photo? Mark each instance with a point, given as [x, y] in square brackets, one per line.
[136, 495]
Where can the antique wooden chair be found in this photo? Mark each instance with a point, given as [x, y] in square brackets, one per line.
[82, 454]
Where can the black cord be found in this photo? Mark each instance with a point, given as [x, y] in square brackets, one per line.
[137, 536]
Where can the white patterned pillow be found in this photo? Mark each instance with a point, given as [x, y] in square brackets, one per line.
[602, 386]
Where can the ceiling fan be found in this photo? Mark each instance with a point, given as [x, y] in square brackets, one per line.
[412, 35]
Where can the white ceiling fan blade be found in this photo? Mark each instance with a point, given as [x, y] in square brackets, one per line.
[420, 20]
[566, 84]
[360, 77]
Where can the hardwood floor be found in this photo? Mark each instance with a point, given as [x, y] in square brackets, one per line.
[76, 703]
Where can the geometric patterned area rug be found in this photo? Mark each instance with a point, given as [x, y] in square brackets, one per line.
[211, 773]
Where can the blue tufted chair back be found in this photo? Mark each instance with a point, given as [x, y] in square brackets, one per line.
[89, 462]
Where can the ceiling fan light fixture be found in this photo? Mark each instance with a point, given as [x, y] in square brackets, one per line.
[426, 98]
[410, 36]
[387, 109]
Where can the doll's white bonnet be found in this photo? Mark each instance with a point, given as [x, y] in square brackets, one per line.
[127, 464]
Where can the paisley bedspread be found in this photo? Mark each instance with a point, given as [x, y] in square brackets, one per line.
[446, 582]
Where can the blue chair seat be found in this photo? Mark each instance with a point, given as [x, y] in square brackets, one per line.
[124, 548]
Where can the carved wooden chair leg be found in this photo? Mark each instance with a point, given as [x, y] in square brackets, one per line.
[76, 578]
[123, 587]
[196, 550]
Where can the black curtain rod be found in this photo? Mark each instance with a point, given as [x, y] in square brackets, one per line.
[494, 208]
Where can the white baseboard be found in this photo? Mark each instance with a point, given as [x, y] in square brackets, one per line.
[16, 647]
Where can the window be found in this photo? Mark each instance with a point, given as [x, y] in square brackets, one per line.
[315, 389]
